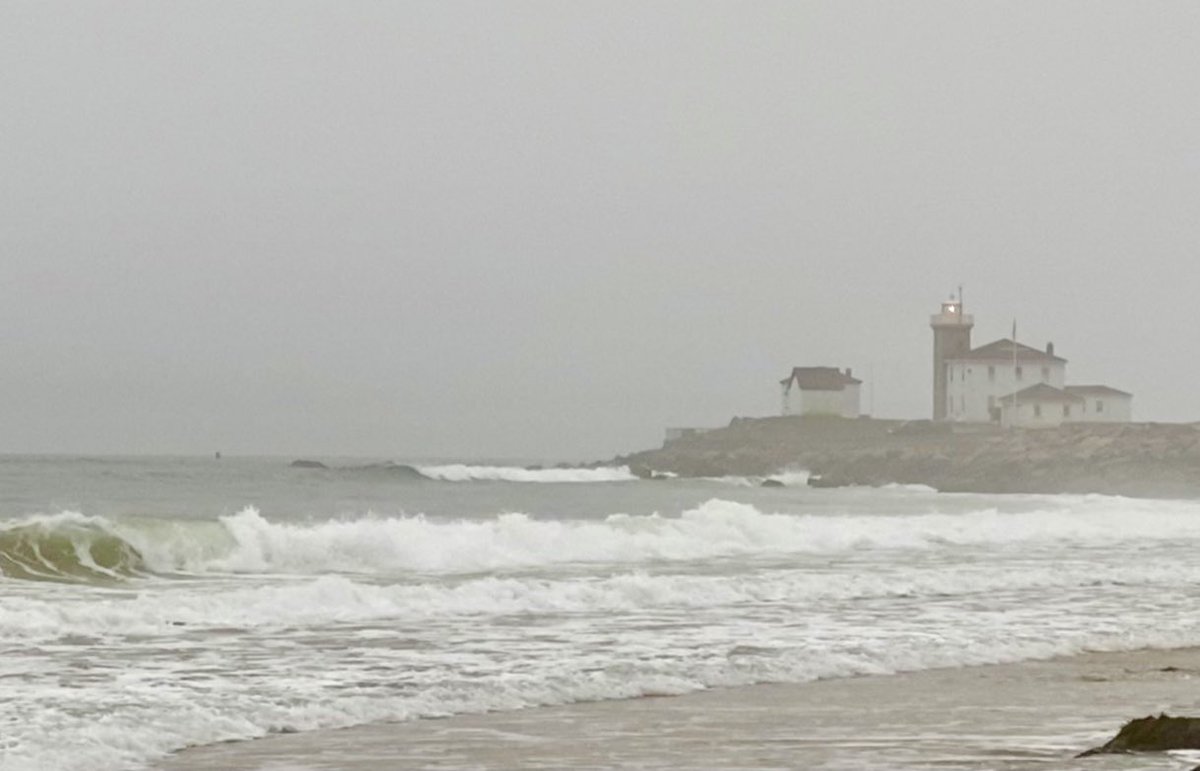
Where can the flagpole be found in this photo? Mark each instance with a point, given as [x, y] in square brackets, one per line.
[1016, 412]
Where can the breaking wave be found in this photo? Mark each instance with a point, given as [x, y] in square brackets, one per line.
[389, 470]
[389, 618]
[72, 546]
[458, 472]
[779, 479]
[67, 547]
[715, 529]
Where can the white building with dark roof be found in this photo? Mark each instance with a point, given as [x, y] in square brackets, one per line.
[1008, 383]
[821, 391]
[1039, 406]
[977, 379]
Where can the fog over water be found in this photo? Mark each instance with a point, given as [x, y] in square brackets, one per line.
[549, 230]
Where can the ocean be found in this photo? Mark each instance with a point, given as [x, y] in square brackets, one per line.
[149, 605]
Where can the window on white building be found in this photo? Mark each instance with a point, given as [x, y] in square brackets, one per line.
[1037, 410]
[1066, 410]
[1045, 374]
[991, 374]
[1019, 373]
[1099, 406]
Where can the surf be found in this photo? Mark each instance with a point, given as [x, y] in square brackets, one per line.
[458, 472]
[67, 548]
[74, 547]
[464, 472]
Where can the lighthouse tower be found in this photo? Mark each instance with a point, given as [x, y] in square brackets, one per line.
[951, 337]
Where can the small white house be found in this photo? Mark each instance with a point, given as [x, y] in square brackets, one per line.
[821, 391]
[1102, 404]
[1039, 406]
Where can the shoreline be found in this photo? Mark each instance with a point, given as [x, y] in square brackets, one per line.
[1028, 715]
[1140, 460]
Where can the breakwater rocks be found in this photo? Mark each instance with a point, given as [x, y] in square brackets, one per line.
[1135, 459]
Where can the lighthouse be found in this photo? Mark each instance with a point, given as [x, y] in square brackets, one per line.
[951, 337]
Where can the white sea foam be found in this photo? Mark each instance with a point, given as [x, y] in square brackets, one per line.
[791, 478]
[270, 625]
[182, 611]
[463, 473]
[785, 478]
[248, 542]
[717, 528]
[897, 487]
[302, 686]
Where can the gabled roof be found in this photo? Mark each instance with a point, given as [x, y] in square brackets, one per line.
[1041, 393]
[1002, 350]
[820, 379]
[1095, 390]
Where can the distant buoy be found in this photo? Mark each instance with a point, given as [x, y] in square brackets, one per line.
[217, 455]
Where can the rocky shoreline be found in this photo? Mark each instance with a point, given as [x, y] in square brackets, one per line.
[1133, 459]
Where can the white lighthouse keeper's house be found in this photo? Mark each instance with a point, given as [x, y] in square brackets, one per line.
[1009, 383]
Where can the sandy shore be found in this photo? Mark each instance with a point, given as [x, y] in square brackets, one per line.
[1016, 716]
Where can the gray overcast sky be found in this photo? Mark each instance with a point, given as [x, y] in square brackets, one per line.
[551, 229]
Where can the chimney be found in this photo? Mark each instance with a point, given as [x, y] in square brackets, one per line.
[1049, 349]
[849, 372]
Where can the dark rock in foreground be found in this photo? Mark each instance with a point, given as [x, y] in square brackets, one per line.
[1152, 734]
[308, 464]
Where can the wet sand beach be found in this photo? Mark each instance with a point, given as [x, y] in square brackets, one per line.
[1033, 715]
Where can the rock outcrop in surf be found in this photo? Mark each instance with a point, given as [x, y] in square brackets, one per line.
[307, 464]
[1152, 734]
